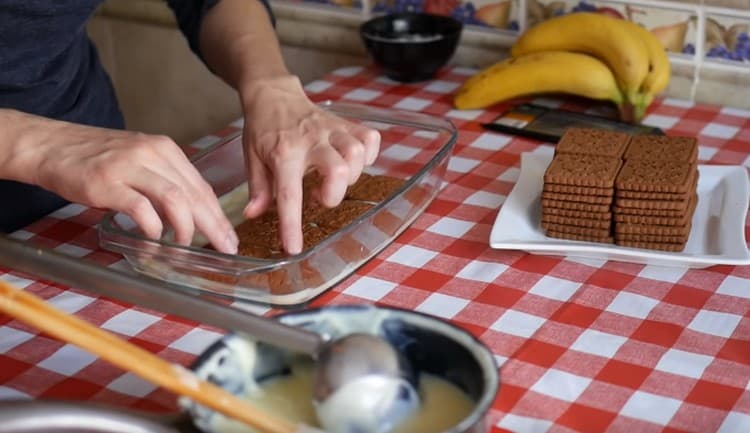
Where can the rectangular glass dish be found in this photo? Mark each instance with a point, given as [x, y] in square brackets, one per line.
[415, 147]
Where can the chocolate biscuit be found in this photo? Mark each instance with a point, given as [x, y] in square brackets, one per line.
[652, 147]
[262, 231]
[311, 181]
[581, 190]
[342, 215]
[645, 229]
[629, 237]
[374, 188]
[658, 175]
[248, 248]
[575, 230]
[665, 213]
[577, 206]
[312, 235]
[580, 198]
[580, 222]
[679, 206]
[311, 210]
[576, 213]
[671, 247]
[590, 141]
[680, 219]
[576, 237]
[578, 170]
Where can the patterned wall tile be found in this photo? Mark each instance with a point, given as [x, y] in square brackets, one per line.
[727, 37]
[674, 26]
[494, 14]
[736, 4]
[339, 5]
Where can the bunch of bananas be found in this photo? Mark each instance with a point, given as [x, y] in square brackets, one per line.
[586, 54]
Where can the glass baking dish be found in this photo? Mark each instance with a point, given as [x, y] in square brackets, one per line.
[414, 147]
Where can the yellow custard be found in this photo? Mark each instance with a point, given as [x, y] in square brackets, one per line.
[443, 405]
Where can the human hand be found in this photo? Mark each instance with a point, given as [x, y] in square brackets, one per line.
[147, 177]
[285, 134]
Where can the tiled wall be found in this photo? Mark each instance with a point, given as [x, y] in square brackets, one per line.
[708, 40]
[724, 24]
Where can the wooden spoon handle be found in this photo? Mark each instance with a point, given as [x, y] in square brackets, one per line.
[34, 311]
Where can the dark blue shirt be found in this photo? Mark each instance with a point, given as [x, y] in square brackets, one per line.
[49, 67]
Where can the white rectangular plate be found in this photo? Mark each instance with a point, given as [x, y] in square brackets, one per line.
[717, 235]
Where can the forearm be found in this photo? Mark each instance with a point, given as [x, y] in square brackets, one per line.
[21, 135]
[138, 174]
[240, 45]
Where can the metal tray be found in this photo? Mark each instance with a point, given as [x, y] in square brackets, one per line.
[415, 147]
[58, 416]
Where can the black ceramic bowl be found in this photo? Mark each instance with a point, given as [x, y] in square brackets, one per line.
[411, 46]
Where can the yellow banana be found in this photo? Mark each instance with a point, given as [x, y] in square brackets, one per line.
[659, 72]
[604, 37]
[545, 72]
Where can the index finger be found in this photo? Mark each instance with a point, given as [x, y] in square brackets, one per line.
[288, 185]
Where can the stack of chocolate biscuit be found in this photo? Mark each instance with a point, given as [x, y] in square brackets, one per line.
[579, 185]
[656, 193]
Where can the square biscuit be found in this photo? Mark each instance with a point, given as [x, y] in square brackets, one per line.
[655, 175]
[679, 219]
[580, 198]
[248, 248]
[649, 212]
[577, 237]
[661, 246]
[683, 149]
[654, 220]
[580, 190]
[342, 215]
[589, 141]
[594, 223]
[667, 196]
[593, 232]
[312, 235]
[374, 188]
[646, 229]
[262, 231]
[580, 170]
[678, 206]
[312, 180]
[570, 213]
[629, 237]
[574, 206]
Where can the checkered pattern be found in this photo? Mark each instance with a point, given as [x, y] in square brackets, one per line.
[584, 345]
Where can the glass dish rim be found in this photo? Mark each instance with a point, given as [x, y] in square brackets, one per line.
[237, 264]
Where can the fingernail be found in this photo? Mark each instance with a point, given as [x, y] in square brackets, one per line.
[231, 242]
[295, 248]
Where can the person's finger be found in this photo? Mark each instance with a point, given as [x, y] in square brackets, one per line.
[137, 206]
[209, 218]
[219, 232]
[259, 185]
[288, 180]
[206, 212]
[335, 172]
[352, 150]
[170, 199]
[370, 138]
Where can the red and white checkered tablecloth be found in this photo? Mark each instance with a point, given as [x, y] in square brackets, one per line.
[584, 345]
